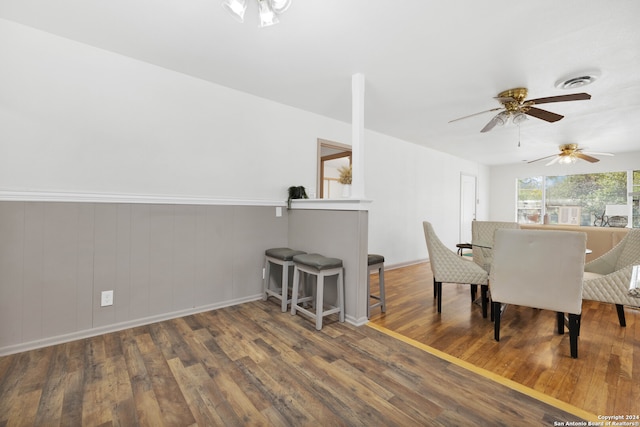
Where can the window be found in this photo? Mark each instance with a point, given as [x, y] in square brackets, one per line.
[530, 191]
[591, 192]
[586, 199]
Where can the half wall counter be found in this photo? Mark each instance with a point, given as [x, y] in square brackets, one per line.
[338, 229]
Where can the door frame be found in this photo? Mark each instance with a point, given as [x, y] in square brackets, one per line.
[336, 150]
[464, 179]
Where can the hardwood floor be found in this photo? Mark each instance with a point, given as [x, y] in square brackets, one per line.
[604, 380]
[254, 365]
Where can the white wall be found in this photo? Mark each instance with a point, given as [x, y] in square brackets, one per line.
[79, 119]
[410, 184]
[75, 118]
[503, 179]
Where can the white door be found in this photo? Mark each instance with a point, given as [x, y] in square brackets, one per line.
[467, 206]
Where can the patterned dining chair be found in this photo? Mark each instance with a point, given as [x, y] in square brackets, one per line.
[448, 267]
[541, 269]
[482, 240]
[607, 278]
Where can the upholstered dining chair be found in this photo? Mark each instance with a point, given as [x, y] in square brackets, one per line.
[482, 240]
[541, 269]
[482, 244]
[607, 278]
[448, 267]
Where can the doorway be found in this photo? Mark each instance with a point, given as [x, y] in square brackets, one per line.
[331, 157]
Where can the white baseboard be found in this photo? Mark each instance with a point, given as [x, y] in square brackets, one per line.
[88, 333]
[356, 322]
[405, 264]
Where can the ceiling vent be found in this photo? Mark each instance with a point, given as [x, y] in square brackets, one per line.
[577, 81]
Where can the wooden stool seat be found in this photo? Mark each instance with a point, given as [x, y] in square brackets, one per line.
[319, 266]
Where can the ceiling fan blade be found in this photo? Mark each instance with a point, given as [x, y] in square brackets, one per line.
[554, 160]
[476, 114]
[542, 158]
[492, 123]
[545, 115]
[595, 153]
[585, 157]
[560, 98]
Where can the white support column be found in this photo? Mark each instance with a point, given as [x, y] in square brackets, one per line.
[629, 198]
[357, 136]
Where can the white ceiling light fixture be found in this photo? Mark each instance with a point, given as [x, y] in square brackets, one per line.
[268, 10]
[567, 160]
[267, 14]
[519, 117]
[236, 8]
[280, 6]
[502, 118]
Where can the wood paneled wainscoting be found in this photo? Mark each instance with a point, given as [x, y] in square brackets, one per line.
[160, 260]
[604, 380]
[160, 257]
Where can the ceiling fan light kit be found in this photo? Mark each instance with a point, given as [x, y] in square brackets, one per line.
[236, 8]
[502, 118]
[569, 154]
[519, 118]
[567, 160]
[267, 15]
[280, 6]
[268, 10]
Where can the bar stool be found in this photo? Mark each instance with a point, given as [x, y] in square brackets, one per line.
[376, 262]
[284, 258]
[320, 267]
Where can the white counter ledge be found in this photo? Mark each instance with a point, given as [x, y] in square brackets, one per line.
[331, 204]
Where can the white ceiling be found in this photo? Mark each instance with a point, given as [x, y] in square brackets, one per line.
[425, 62]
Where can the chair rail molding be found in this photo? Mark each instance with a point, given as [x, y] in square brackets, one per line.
[52, 196]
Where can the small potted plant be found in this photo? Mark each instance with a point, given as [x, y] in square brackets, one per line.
[298, 192]
[345, 180]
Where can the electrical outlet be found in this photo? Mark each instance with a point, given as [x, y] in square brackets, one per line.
[106, 298]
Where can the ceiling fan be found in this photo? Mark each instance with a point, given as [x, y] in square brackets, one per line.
[570, 153]
[514, 105]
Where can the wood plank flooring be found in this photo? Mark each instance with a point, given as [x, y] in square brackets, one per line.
[253, 365]
[604, 380]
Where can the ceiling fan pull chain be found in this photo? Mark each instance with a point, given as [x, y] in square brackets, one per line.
[518, 135]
